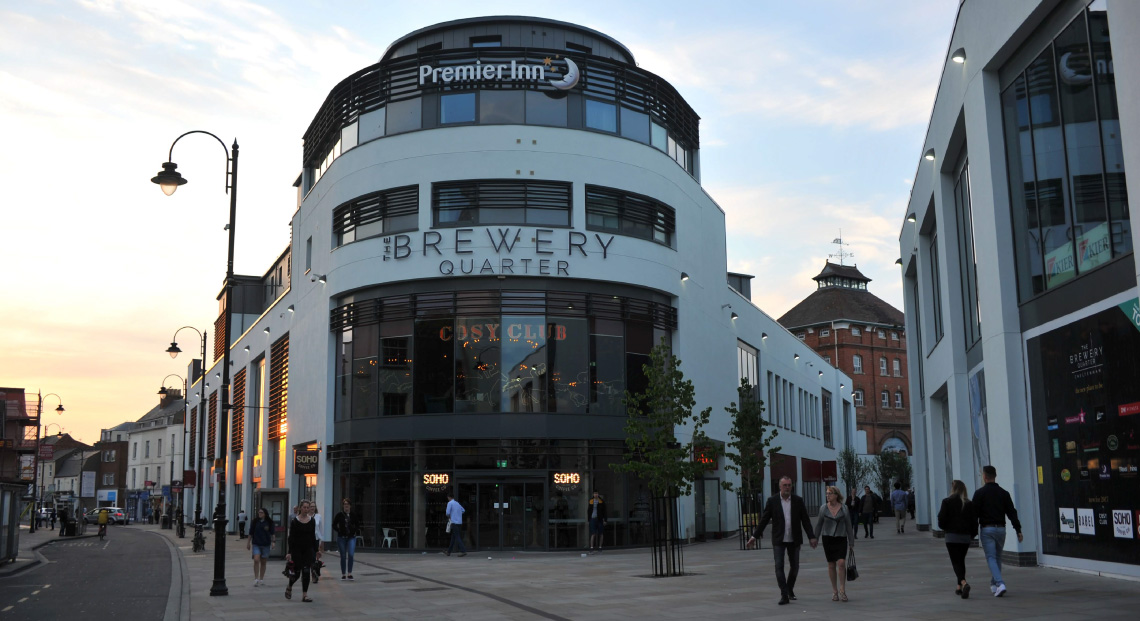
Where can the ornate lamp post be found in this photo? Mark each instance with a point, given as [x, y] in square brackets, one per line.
[170, 179]
[36, 456]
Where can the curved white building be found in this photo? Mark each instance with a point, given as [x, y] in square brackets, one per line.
[496, 223]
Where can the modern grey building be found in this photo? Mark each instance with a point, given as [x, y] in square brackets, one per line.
[1020, 276]
[496, 223]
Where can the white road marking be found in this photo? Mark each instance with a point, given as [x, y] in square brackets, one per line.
[35, 592]
[7, 609]
[22, 600]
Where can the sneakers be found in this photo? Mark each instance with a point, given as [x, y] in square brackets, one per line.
[993, 589]
[351, 578]
[999, 590]
[462, 554]
[256, 583]
[343, 577]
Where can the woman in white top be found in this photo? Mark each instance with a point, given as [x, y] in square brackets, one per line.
[318, 521]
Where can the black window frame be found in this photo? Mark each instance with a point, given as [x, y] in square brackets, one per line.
[380, 206]
[480, 194]
[632, 210]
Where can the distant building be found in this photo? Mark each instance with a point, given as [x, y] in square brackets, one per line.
[153, 450]
[863, 336]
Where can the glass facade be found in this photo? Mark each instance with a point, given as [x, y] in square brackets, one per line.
[1066, 170]
[489, 351]
[518, 494]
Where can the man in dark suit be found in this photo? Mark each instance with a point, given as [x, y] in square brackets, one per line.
[788, 515]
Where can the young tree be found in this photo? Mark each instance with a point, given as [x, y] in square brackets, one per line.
[655, 456]
[853, 470]
[889, 467]
[751, 440]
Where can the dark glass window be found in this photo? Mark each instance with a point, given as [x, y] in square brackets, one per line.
[1062, 135]
[457, 108]
[502, 107]
[435, 367]
[395, 368]
[478, 344]
[635, 125]
[609, 209]
[387, 211]
[971, 306]
[601, 115]
[542, 109]
[364, 372]
[487, 41]
[404, 116]
[568, 358]
[468, 203]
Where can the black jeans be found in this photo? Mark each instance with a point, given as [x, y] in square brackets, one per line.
[958, 558]
[303, 574]
[793, 550]
[868, 522]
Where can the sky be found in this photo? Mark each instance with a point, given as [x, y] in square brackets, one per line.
[813, 116]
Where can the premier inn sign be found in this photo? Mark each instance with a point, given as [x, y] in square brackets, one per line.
[513, 72]
[306, 462]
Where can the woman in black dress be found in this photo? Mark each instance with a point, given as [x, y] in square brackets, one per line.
[833, 528]
[957, 519]
[302, 549]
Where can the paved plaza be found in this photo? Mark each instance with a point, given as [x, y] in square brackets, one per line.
[902, 577]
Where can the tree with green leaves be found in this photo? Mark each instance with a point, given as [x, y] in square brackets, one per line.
[891, 466]
[656, 456]
[751, 437]
[852, 469]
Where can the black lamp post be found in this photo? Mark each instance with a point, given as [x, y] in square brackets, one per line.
[170, 179]
[173, 350]
[174, 500]
[36, 457]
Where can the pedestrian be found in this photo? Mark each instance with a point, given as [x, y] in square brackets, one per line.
[62, 522]
[788, 516]
[454, 512]
[910, 502]
[346, 525]
[833, 528]
[262, 538]
[302, 550]
[898, 505]
[868, 507]
[598, 521]
[993, 505]
[242, 518]
[852, 504]
[957, 520]
[52, 517]
[318, 520]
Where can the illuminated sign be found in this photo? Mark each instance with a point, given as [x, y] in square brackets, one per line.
[567, 481]
[437, 482]
[306, 462]
[514, 331]
[478, 72]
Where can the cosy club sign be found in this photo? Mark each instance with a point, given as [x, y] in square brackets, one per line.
[493, 331]
[499, 251]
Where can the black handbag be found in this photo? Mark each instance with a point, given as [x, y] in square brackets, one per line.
[852, 571]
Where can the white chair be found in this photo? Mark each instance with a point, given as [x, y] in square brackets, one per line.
[360, 541]
[390, 538]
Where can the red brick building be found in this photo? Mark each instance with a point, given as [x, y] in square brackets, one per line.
[864, 337]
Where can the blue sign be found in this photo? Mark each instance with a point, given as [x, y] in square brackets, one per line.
[166, 491]
[111, 494]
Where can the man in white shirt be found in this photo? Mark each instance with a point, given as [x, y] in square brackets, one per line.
[788, 516]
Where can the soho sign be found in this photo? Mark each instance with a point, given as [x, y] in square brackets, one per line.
[514, 72]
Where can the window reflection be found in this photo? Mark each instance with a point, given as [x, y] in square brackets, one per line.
[601, 115]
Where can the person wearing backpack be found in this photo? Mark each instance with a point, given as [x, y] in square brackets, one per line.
[898, 504]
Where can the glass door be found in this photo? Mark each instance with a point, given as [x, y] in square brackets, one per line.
[505, 514]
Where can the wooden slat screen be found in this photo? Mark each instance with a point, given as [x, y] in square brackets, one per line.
[376, 206]
[279, 388]
[237, 438]
[193, 437]
[212, 428]
[219, 336]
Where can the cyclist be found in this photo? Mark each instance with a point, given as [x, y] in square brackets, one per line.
[104, 518]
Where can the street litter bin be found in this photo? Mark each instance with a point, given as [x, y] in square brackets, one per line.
[166, 521]
[70, 529]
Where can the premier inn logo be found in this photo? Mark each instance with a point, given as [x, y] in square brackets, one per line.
[506, 72]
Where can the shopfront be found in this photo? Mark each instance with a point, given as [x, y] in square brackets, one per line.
[1085, 387]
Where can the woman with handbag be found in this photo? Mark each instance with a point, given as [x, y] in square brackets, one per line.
[833, 528]
[346, 525]
[958, 520]
[303, 550]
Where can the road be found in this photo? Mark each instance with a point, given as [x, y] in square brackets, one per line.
[126, 575]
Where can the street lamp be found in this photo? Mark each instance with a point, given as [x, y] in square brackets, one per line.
[173, 350]
[185, 419]
[36, 456]
[170, 179]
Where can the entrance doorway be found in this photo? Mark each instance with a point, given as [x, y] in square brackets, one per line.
[504, 514]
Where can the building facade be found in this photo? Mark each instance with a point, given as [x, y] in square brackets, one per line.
[1020, 276]
[496, 223]
[863, 336]
[153, 457]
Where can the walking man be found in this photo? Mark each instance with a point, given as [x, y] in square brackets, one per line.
[898, 504]
[454, 513]
[870, 506]
[992, 505]
[788, 516]
[241, 523]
